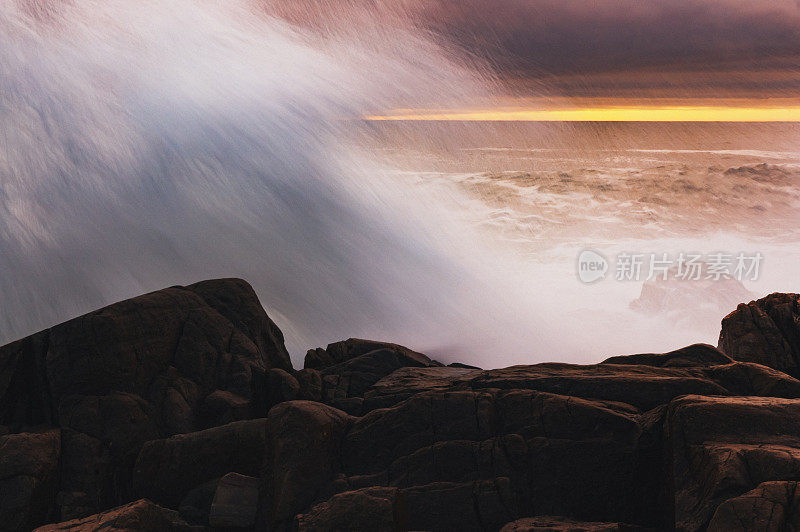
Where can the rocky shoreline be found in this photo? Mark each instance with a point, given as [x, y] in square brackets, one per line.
[180, 410]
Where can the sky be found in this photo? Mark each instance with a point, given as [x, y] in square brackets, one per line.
[749, 45]
[685, 59]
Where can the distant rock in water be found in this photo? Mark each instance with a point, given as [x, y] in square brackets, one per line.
[180, 410]
[684, 301]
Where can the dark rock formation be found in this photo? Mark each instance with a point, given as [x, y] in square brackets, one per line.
[138, 515]
[348, 369]
[697, 355]
[723, 446]
[304, 451]
[771, 507]
[766, 331]
[173, 361]
[562, 524]
[235, 503]
[185, 400]
[378, 509]
[28, 478]
[166, 470]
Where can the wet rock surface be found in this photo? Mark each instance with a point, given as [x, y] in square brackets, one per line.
[766, 331]
[179, 410]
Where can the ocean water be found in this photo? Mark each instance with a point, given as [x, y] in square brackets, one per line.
[150, 144]
[544, 192]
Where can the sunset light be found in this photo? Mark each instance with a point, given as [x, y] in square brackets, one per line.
[605, 114]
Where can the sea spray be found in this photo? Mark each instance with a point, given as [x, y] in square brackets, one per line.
[148, 144]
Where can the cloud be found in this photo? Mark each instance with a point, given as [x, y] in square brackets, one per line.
[586, 47]
[567, 36]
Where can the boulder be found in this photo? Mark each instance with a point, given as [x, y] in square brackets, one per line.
[303, 455]
[471, 506]
[168, 469]
[702, 355]
[132, 517]
[196, 505]
[154, 399]
[235, 502]
[555, 453]
[28, 478]
[310, 382]
[644, 386]
[222, 407]
[405, 382]
[170, 362]
[339, 352]
[565, 524]
[719, 447]
[766, 331]
[282, 386]
[348, 369]
[90, 477]
[171, 348]
[238, 302]
[771, 507]
[376, 509]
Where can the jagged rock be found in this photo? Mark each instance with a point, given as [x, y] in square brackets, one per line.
[766, 331]
[196, 506]
[282, 385]
[310, 381]
[351, 367]
[238, 302]
[166, 470]
[173, 361]
[462, 366]
[222, 407]
[397, 441]
[720, 447]
[642, 386]
[559, 454]
[375, 509]
[479, 505]
[28, 478]
[472, 506]
[563, 524]
[25, 399]
[133, 517]
[405, 382]
[171, 348]
[771, 507]
[235, 503]
[303, 456]
[339, 352]
[121, 423]
[88, 482]
[691, 356]
[317, 359]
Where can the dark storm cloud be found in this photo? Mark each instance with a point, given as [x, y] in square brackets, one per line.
[745, 48]
[564, 36]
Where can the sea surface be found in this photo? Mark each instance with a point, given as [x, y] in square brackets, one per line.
[545, 192]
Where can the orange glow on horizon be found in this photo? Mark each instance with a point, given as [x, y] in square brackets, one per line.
[688, 113]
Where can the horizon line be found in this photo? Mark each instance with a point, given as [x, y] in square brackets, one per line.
[720, 114]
